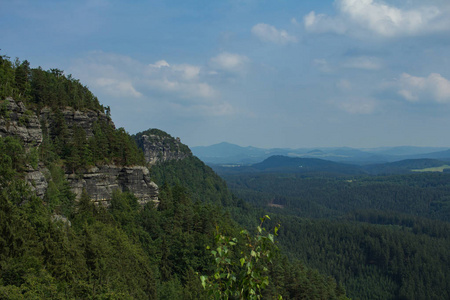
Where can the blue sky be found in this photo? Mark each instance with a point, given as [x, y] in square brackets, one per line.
[358, 73]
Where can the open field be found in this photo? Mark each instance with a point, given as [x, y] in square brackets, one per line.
[434, 169]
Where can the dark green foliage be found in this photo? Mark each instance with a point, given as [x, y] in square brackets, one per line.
[424, 194]
[109, 145]
[367, 233]
[77, 152]
[241, 274]
[201, 181]
[59, 197]
[60, 247]
[7, 78]
[38, 88]
[52, 88]
[12, 155]
[123, 252]
[373, 261]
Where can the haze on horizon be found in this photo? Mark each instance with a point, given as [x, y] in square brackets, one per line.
[290, 74]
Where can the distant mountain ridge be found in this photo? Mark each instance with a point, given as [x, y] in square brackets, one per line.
[231, 154]
[298, 165]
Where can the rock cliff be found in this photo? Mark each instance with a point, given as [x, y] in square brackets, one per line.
[37, 181]
[158, 146]
[83, 119]
[99, 181]
[16, 120]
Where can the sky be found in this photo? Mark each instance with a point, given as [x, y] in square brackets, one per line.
[280, 73]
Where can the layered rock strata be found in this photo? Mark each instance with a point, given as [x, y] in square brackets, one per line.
[83, 119]
[159, 148]
[100, 183]
[16, 120]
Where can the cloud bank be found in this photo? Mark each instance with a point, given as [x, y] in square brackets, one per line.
[363, 17]
[183, 86]
[433, 88]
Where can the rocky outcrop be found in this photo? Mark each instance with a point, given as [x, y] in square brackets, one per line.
[100, 182]
[37, 181]
[83, 119]
[16, 120]
[159, 146]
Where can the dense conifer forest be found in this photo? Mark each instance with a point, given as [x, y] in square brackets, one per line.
[60, 247]
[382, 237]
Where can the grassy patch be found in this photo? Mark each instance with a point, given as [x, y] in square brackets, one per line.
[434, 169]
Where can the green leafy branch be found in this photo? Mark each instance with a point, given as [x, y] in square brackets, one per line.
[242, 276]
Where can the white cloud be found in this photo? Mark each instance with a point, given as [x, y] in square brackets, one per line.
[109, 73]
[363, 17]
[364, 62]
[184, 90]
[189, 72]
[269, 33]
[432, 88]
[229, 62]
[180, 85]
[117, 88]
[323, 23]
[159, 64]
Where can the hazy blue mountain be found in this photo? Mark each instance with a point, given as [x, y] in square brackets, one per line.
[226, 153]
[404, 150]
[444, 155]
[230, 154]
[285, 164]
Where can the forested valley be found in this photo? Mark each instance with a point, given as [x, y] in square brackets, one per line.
[191, 244]
[382, 237]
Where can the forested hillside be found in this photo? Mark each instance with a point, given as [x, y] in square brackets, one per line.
[59, 246]
[382, 237]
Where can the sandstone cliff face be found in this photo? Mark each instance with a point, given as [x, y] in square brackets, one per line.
[72, 118]
[100, 182]
[17, 121]
[37, 181]
[159, 147]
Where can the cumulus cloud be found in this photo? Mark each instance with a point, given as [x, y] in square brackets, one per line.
[432, 88]
[269, 33]
[183, 85]
[117, 87]
[182, 89]
[363, 17]
[322, 23]
[229, 62]
[159, 64]
[109, 73]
